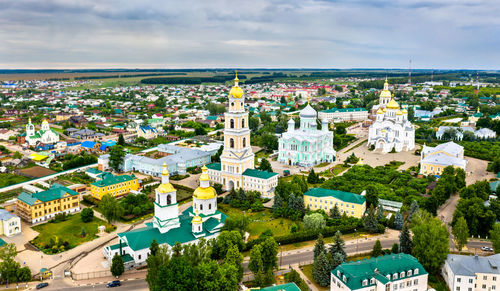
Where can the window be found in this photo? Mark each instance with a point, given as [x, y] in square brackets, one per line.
[401, 285]
[372, 281]
[231, 123]
[394, 276]
[409, 273]
[494, 278]
[388, 287]
[231, 143]
[244, 142]
[210, 206]
[243, 122]
[459, 280]
[484, 286]
[408, 284]
[415, 272]
[365, 282]
[402, 274]
[395, 287]
[415, 282]
[493, 287]
[471, 280]
[458, 288]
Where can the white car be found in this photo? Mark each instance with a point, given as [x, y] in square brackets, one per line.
[487, 249]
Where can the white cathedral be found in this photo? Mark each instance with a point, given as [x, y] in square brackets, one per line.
[45, 135]
[391, 129]
[306, 146]
[168, 226]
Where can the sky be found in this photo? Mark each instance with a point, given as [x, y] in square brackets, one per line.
[434, 34]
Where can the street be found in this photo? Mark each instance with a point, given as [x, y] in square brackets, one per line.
[126, 285]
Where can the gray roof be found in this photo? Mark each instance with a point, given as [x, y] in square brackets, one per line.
[445, 160]
[178, 155]
[449, 147]
[470, 265]
[5, 215]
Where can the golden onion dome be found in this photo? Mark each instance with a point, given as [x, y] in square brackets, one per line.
[236, 92]
[385, 94]
[384, 110]
[197, 219]
[164, 172]
[165, 188]
[399, 112]
[204, 193]
[45, 120]
[405, 111]
[380, 111]
[393, 104]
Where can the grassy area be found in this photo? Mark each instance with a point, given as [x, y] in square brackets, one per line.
[359, 144]
[260, 221]
[337, 169]
[69, 231]
[7, 179]
[437, 282]
[4, 196]
[308, 271]
[322, 165]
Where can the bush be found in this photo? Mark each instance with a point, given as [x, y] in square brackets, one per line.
[87, 215]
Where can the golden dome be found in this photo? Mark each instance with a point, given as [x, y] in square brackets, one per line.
[384, 110]
[380, 111]
[399, 112]
[405, 111]
[385, 94]
[204, 176]
[165, 188]
[205, 193]
[164, 172]
[45, 120]
[236, 92]
[197, 219]
[393, 104]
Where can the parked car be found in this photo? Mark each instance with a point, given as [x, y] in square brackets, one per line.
[487, 249]
[42, 285]
[114, 284]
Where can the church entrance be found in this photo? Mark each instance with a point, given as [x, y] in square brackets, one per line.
[230, 185]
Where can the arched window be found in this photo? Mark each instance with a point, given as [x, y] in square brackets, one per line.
[210, 206]
[231, 143]
[243, 123]
[169, 200]
[232, 123]
[244, 142]
[232, 104]
[201, 207]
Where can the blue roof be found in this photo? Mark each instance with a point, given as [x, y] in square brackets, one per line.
[88, 144]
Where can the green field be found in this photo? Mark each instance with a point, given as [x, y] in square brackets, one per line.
[260, 221]
[7, 179]
[66, 231]
[307, 270]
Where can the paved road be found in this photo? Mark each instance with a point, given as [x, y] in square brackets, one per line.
[127, 285]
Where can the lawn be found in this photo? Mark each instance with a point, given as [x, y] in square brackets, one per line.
[308, 271]
[437, 282]
[69, 231]
[260, 221]
[4, 196]
[7, 179]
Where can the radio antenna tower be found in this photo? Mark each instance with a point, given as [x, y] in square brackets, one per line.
[409, 74]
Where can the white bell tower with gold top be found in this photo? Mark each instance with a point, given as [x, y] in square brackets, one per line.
[237, 155]
[166, 207]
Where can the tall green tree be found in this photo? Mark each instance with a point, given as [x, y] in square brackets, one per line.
[338, 246]
[335, 212]
[460, 232]
[314, 221]
[265, 165]
[413, 209]
[495, 237]
[269, 254]
[321, 270]
[398, 222]
[319, 247]
[235, 258]
[377, 249]
[117, 266]
[8, 266]
[312, 178]
[256, 264]
[405, 242]
[116, 156]
[293, 276]
[370, 221]
[160, 258]
[121, 140]
[430, 240]
[110, 208]
[176, 275]
[395, 248]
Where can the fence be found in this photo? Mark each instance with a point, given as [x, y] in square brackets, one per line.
[102, 274]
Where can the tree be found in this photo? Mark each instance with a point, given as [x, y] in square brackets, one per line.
[312, 178]
[294, 277]
[256, 265]
[23, 274]
[87, 215]
[269, 254]
[265, 165]
[460, 232]
[334, 212]
[154, 248]
[116, 156]
[413, 209]
[225, 241]
[338, 246]
[177, 274]
[321, 270]
[117, 267]
[395, 248]
[370, 221]
[405, 242]
[314, 221]
[371, 196]
[495, 237]
[398, 222]
[160, 258]
[460, 178]
[430, 240]
[319, 247]
[8, 266]
[235, 258]
[377, 249]
[110, 208]
[380, 212]
[121, 140]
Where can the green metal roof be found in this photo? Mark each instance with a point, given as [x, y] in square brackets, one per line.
[494, 186]
[377, 268]
[112, 180]
[332, 110]
[214, 166]
[141, 238]
[259, 174]
[55, 192]
[341, 195]
[283, 287]
[212, 117]
[127, 258]
[93, 171]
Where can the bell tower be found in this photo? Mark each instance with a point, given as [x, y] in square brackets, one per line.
[166, 207]
[237, 155]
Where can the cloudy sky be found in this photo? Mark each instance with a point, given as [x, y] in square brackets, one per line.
[252, 33]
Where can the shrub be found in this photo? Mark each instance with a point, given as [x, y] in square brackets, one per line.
[87, 215]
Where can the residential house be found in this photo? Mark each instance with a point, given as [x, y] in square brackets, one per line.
[147, 132]
[348, 203]
[472, 273]
[78, 121]
[10, 224]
